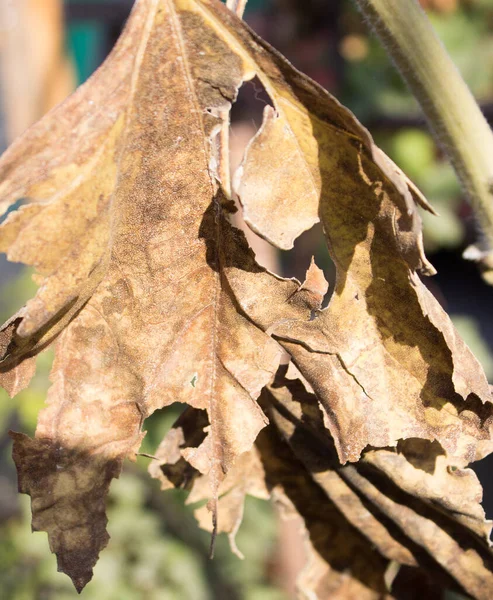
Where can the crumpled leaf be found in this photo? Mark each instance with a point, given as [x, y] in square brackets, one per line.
[420, 517]
[271, 469]
[401, 370]
[172, 469]
[128, 227]
[387, 364]
[432, 512]
[309, 133]
[154, 298]
[383, 357]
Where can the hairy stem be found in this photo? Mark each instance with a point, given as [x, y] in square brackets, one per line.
[452, 112]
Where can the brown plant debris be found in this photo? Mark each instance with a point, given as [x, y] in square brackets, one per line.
[400, 511]
[151, 297]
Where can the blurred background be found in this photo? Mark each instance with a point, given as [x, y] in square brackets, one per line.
[47, 48]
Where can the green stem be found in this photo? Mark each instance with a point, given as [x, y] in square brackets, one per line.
[452, 112]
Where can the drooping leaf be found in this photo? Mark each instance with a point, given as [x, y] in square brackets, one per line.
[430, 510]
[129, 229]
[400, 367]
[421, 518]
[152, 297]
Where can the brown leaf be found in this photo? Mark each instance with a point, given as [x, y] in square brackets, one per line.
[91, 423]
[421, 516]
[343, 564]
[129, 228]
[173, 470]
[384, 358]
[154, 298]
[318, 153]
[387, 364]
[341, 561]
[17, 376]
[384, 339]
[414, 508]
[68, 490]
[324, 466]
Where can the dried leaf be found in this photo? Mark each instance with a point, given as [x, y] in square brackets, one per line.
[319, 154]
[421, 518]
[271, 468]
[173, 470]
[387, 365]
[414, 508]
[343, 564]
[383, 357]
[154, 298]
[128, 226]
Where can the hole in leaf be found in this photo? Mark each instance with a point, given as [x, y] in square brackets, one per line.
[13, 207]
[15, 279]
[250, 103]
[157, 426]
[483, 469]
[21, 412]
[246, 119]
[16, 286]
[295, 262]
[191, 423]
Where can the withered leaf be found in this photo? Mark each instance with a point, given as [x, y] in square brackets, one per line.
[420, 518]
[387, 364]
[428, 514]
[129, 229]
[174, 471]
[348, 567]
[384, 357]
[152, 297]
[271, 469]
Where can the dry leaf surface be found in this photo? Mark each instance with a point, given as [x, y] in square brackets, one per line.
[383, 357]
[152, 297]
[128, 227]
[421, 514]
[402, 507]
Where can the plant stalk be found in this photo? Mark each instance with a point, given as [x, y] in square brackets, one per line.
[238, 7]
[451, 110]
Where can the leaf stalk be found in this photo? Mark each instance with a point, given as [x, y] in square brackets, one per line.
[238, 7]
